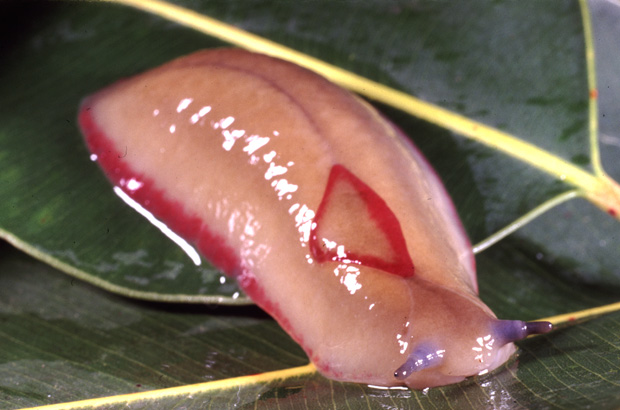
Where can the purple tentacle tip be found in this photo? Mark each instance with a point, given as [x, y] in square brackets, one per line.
[513, 330]
[423, 357]
[537, 328]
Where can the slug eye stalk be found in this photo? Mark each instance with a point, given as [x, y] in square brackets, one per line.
[423, 357]
[507, 331]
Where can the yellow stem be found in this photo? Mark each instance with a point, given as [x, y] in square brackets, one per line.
[523, 220]
[582, 314]
[595, 157]
[183, 391]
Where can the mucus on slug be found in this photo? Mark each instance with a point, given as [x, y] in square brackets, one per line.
[314, 203]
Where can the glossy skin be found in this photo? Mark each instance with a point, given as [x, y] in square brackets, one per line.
[326, 215]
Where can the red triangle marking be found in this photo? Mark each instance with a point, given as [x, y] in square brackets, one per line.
[353, 223]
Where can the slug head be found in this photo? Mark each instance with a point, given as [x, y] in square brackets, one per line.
[458, 336]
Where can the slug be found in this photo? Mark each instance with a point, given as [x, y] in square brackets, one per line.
[326, 215]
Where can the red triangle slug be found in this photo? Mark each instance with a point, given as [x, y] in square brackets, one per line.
[327, 216]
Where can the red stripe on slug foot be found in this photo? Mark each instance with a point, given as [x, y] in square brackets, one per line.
[247, 281]
[353, 224]
[190, 227]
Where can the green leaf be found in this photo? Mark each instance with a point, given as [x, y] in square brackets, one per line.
[63, 340]
[58, 205]
[519, 67]
[68, 194]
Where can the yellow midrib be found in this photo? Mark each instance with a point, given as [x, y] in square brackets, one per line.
[183, 391]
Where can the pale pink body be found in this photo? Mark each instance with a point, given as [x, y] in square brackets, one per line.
[244, 145]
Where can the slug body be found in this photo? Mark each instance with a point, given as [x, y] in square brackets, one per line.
[328, 218]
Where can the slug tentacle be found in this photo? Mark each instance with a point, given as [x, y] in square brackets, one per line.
[423, 357]
[508, 331]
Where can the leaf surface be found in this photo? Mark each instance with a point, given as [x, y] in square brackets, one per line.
[518, 67]
[64, 341]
